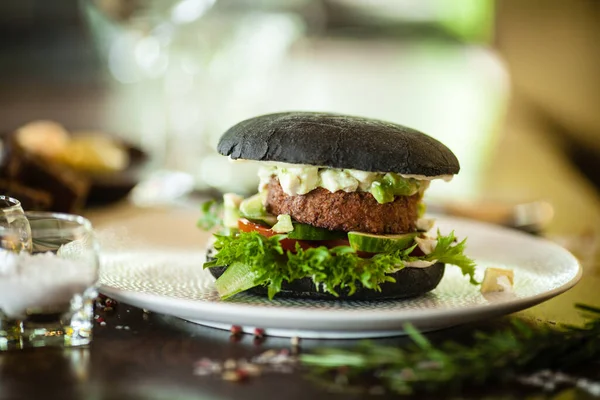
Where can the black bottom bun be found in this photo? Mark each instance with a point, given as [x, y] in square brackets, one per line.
[410, 282]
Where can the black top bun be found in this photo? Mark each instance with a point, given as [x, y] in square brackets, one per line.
[410, 282]
[338, 141]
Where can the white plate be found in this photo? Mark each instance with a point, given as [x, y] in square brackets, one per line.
[174, 283]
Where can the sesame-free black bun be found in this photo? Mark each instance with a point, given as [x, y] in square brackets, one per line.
[338, 141]
[410, 282]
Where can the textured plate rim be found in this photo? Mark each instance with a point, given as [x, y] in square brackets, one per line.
[223, 312]
[199, 306]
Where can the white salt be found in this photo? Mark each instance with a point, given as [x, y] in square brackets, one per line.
[40, 280]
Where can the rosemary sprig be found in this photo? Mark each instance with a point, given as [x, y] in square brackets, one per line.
[495, 358]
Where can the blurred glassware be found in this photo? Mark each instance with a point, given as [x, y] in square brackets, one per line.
[47, 291]
[12, 217]
[238, 59]
[532, 217]
[188, 69]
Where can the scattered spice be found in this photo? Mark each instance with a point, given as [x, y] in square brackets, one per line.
[270, 361]
[252, 369]
[104, 302]
[229, 364]
[205, 366]
[234, 376]
[259, 332]
[549, 381]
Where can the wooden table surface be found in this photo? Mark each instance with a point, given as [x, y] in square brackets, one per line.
[154, 358]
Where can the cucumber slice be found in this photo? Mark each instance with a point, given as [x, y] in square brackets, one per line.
[252, 207]
[309, 232]
[231, 212]
[266, 219]
[236, 278]
[371, 243]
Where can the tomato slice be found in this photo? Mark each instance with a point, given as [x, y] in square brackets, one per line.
[245, 225]
[332, 243]
[290, 244]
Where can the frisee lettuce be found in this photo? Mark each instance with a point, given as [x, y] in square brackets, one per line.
[263, 261]
[447, 253]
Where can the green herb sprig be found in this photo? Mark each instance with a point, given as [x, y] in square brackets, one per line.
[494, 358]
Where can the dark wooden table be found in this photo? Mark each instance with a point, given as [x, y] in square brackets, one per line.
[154, 359]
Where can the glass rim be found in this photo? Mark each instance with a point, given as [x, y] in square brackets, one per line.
[77, 219]
[15, 203]
[80, 225]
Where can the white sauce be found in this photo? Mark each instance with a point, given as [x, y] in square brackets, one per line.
[29, 281]
[419, 264]
[334, 180]
[302, 178]
[425, 224]
[298, 179]
[426, 244]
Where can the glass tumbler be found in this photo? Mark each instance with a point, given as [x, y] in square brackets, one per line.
[12, 216]
[47, 289]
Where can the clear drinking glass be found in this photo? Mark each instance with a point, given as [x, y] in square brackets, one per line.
[47, 290]
[12, 216]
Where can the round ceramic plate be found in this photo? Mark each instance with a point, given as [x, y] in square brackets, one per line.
[174, 283]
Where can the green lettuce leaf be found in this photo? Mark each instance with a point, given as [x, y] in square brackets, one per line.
[211, 215]
[448, 253]
[263, 261]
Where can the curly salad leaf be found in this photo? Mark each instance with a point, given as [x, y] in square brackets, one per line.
[254, 260]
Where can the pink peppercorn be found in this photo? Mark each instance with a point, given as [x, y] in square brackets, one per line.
[242, 374]
[259, 333]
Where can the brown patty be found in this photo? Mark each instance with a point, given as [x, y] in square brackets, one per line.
[355, 211]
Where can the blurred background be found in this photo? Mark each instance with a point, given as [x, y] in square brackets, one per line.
[511, 86]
